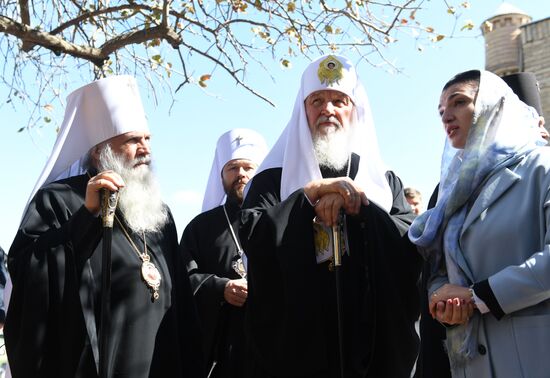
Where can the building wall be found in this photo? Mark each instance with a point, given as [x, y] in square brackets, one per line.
[535, 40]
[503, 43]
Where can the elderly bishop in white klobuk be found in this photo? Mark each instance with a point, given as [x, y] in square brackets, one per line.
[326, 162]
[55, 260]
[215, 259]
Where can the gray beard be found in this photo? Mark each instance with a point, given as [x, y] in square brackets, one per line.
[332, 150]
[139, 201]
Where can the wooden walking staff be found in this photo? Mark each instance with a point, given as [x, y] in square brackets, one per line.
[337, 264]
[108, 206]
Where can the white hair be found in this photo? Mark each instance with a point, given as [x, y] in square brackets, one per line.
[140, 200]
[333, 149]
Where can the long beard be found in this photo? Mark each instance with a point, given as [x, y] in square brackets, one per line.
[139, 201]
[332, 150]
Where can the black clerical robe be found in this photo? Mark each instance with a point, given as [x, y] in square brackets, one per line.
[291, 310]
[3, 281]
[53, 321]
[433, 361]
[210, 250]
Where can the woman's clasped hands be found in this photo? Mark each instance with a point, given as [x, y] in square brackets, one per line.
[452, 304]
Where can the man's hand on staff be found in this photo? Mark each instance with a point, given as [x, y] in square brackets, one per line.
[236, 292]
[109, 180]
[327, 209]
[352, 197]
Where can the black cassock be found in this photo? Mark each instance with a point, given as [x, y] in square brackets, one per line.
[291, 311]
[209, 249]
[53, 320]
[433, 361]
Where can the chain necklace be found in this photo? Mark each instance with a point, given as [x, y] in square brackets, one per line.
[238, 266]
[149, 272]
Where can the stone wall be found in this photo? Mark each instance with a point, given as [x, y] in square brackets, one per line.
[503, 43]
[535, 40]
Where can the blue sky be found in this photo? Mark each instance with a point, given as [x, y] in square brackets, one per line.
[404, 107]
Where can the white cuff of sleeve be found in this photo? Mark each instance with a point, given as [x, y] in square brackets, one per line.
[481, 306]
[308, 200]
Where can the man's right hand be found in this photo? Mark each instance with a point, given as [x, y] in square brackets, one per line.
[109, 180]
[236, 292]
[327, 209]
[353, 196]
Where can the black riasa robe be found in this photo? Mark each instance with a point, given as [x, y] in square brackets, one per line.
[291, 310]
[433, 361]
[53, 320]
[209, 250]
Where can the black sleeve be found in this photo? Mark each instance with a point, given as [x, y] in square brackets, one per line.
[263, 191]
[394, 253]
[277, 239]
[432, 359]
[3, 280]
[400, 216]
[202, 283]
[401, 211]
[266, 220]
[485, 293]
[392, 268]
[54, 222]
[56, 231]
[179, 338]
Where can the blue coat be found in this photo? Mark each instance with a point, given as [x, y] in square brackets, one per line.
[506, 239]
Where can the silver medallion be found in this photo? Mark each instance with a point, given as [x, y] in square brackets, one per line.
[151, 276]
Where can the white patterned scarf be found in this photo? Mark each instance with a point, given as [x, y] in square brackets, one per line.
[503, 130]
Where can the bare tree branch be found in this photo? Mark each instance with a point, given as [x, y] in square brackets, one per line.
[139, 36]
[56, 44]
[225, 38]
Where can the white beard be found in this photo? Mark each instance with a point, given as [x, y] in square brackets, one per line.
[139, 201]
[332, 150]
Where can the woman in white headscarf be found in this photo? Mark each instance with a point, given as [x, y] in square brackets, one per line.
[487, 237]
